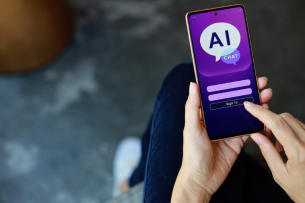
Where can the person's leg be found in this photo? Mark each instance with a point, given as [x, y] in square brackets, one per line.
[138, 174]
[165, 151]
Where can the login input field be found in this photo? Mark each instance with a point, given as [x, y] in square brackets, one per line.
[230, 94]
[229, 85]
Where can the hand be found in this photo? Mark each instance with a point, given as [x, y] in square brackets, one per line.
[290, 132]
[206, 164]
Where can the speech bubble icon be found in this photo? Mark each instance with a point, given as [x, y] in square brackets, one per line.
[231, 58]
[218, 38]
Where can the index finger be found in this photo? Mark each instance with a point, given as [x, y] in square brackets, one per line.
[276, 123]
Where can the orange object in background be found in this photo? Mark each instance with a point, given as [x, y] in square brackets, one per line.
[32, 33]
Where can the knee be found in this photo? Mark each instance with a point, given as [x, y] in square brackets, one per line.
[183, 72]
[177, 81]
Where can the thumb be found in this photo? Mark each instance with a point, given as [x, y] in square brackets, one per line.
[271, 154]
[192, 110]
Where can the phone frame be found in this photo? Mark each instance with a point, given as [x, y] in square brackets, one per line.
[247, 133]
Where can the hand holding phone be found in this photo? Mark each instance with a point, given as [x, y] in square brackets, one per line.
[206, 164]
[224, 69]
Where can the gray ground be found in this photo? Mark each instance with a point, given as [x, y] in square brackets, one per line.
[60, 125]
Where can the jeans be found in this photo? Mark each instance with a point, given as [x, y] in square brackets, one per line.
[162, 152]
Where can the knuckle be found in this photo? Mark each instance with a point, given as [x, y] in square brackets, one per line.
[286, 116]
[279, 121]
[260, 109]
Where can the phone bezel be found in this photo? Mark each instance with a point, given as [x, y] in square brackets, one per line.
[196, 71]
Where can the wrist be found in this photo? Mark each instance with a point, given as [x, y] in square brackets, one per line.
[187, 190]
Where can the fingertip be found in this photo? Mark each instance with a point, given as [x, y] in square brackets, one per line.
[257, 111]
[245, 138]
[266, 95]
[259, 138]
[262, 82]
[255, 138]
[248, 104]
[192, 107]
[191, 88]
[266, 106]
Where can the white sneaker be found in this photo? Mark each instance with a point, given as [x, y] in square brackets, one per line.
[126, 159]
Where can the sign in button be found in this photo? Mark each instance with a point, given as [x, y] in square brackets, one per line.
[230, 103]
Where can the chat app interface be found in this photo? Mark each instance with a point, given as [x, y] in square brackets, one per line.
[225, 70]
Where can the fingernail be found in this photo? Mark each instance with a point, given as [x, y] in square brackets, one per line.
[265, 106]
[254, 138]
[248, 104]
[271, 89]
[266, 78]
[191, 89]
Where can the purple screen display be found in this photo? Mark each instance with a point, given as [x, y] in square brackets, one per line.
[225, 71]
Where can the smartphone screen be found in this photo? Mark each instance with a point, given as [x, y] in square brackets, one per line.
[224, 66]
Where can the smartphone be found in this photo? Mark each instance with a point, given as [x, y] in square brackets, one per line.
[224, 69]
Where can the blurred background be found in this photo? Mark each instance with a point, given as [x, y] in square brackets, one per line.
[60, 124]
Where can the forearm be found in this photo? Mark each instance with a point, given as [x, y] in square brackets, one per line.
[186, 190]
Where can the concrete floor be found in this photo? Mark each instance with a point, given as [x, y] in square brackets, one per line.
[60, 125]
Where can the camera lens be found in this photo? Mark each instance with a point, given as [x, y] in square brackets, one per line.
[216, 14]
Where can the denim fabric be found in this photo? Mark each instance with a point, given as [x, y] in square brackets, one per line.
[163, 140]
